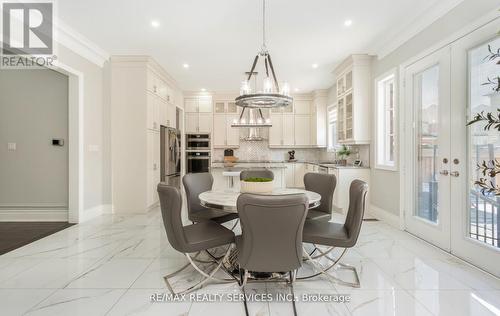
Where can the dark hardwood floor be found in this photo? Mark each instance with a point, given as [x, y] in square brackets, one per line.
[17, 234]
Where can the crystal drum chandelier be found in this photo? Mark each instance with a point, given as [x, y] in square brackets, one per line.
[271, 96]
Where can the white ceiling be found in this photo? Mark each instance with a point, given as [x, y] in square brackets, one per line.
[219, 38]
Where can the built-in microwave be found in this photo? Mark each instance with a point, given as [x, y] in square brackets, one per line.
[197, 141]
[197, 161]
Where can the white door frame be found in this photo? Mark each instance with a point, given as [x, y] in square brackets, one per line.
[75, 140]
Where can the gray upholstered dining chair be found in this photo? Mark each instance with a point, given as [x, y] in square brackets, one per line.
[192, 238]
[256, 173]
[324, 185]
[271, 239]
[194, 184]
[338, 235]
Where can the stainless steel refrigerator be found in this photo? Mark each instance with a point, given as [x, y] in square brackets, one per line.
[170, 149]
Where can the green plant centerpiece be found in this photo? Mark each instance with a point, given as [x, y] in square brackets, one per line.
[489, 169]
[257, 185]
[342, 154]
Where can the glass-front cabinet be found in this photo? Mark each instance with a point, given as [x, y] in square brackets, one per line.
[353, 98]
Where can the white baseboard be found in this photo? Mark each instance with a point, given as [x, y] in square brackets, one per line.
[384, 215]
[33, 215]
[94, 212]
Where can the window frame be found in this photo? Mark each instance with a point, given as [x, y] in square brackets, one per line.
[331, 107]
[380, 117]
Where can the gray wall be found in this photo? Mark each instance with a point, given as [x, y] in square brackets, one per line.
[385, 188]
[33, 111]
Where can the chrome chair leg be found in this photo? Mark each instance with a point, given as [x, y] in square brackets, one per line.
[292, 279]
[332, 278]
[207, 276]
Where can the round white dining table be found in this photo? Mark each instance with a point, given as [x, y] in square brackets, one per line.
[226, 199]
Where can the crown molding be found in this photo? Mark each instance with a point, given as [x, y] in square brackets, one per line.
[76, 42]
[429, 16]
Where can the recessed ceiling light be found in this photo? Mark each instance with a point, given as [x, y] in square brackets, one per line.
[203, 89]
[348, 22]
[185, 65]
[155, 24]
[296, 89]
[314, 66]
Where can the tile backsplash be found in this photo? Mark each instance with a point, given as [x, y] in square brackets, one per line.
[259, 151]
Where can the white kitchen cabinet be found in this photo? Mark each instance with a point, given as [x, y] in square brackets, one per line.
[139, 94]
[299, 172]
[205, 122]
[153, 165]
[354, 100]
[276, 130]
[344, 178]
[288, 134]
[232, 133]
[205, 104]
[191, 125]
[225, 136]
[198, 114]
[171, 116]
[292, 125]
[281, 134]
[302, 130]
[153, 112]
[219, 133]
[191, 105]
[289, 175]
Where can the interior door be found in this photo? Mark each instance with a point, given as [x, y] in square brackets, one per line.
[427, 96]
[475, 223]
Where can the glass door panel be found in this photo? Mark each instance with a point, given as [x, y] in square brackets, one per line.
[483, 146]
[426, 89]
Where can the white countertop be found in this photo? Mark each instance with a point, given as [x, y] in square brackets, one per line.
[242, 164]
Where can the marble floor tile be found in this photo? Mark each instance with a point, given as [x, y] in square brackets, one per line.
[78, 302]
[138, 302]
[384, 302]
[460, 302]
[49, 273]
[111, 274]
[19, 301]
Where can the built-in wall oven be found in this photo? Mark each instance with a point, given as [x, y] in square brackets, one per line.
[197, 161]
[197, 141]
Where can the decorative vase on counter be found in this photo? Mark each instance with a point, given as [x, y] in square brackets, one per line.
[257, 185]
[342, 162]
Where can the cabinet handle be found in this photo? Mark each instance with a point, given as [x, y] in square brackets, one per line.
[154, 89]
[454, 173]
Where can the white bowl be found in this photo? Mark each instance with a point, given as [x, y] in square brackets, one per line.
[256, 187]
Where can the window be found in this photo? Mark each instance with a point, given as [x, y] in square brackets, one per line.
[385, 154]
[332, 127]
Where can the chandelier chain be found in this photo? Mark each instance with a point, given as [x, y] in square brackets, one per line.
[264, 47]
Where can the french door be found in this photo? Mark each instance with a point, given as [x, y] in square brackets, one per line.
[427, 85]
[443, 202]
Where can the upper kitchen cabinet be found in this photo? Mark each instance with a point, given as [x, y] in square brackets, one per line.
[198, 114]
[302, 125]
[353, 99]
[225, 136]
